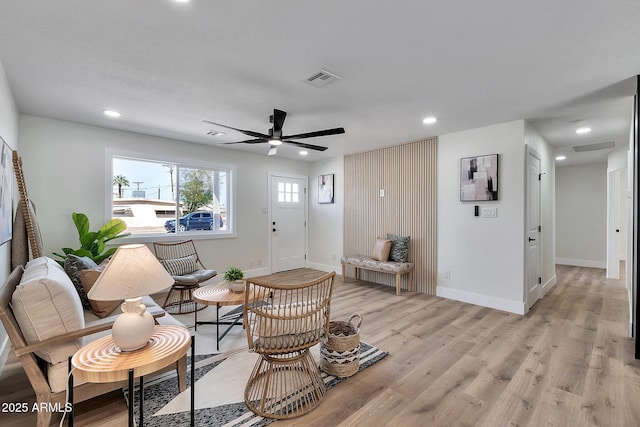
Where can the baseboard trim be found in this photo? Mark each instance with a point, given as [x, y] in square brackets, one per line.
[256, 272]
[325, 267]
[515, 307]
[546, 288]
[581, 263]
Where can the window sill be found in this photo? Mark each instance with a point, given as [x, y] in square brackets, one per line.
[168, 237]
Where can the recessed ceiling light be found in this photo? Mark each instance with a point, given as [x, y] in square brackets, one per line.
[303, 152]
[182, 1]
[111, 113]
[429, 120]
[561, 157]
[583, 130]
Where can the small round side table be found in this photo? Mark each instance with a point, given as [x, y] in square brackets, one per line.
[101, 361]
[219, 296]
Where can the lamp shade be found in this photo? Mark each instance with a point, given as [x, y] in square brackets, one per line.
[133, 271]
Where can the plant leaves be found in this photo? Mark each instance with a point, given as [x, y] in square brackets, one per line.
[87, 239]
[111, 229]
[118, 236]
[82, 252]
[82, 223]
[98, 260]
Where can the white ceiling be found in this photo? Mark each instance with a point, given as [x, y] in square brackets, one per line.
[166, 66]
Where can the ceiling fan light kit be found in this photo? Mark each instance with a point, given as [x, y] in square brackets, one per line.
[275, 137]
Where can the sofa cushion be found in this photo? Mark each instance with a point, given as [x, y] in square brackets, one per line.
[45, 305]
[73, 265]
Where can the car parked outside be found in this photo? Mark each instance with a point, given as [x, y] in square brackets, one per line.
[200, 220]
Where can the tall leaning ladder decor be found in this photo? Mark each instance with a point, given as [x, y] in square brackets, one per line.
[27, 209]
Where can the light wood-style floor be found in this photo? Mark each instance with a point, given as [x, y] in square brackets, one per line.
[566, 363]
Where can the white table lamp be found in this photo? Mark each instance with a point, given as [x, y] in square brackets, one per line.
[133, 271]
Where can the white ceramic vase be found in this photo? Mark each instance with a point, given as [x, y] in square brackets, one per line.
[133, 328]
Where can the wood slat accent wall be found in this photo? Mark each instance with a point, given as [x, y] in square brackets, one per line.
[407, 173]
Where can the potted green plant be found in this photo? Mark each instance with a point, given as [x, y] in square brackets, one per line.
[234, 277]
[94, 243]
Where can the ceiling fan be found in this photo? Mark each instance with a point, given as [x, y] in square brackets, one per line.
[275, 137]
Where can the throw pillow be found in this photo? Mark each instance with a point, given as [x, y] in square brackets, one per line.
[179, 266]
[73, 265]
[88, 277]
[399, 248]
[381, 249]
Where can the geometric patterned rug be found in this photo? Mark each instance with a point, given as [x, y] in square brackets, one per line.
[220, 380]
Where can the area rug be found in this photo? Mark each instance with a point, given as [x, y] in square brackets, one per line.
[220, 381]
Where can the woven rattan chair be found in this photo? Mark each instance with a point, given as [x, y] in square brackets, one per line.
[182, 262]
[282, 323]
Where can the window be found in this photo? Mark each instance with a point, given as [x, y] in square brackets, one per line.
[160, 197]
[288, 192]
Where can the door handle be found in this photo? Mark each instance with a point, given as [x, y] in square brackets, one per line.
[532, 240]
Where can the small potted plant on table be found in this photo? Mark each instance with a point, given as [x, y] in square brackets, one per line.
[234, 277]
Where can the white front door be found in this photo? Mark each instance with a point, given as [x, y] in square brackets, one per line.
[534, 276]
[288, 223]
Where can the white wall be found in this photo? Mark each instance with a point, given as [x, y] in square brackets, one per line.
[64, 166]
[581, 215]
[326, 221]
[9, 132]
[484, 255]
[547, 204]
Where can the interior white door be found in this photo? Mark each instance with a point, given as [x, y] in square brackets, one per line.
[613, 225]
[288, 223]
[534, 276]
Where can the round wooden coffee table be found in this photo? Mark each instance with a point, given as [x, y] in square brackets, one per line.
[220, 296]
[101, 361]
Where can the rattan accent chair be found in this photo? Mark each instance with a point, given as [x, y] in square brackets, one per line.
[182, 262]
[282, 323]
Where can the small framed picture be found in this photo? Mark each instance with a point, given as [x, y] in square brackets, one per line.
[325, 188]
[479, 178]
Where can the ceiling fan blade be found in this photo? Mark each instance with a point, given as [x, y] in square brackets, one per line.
[335, 131]
[303, 145]
[272, 151]
[248, 141]
[278, 122]
[246, 132]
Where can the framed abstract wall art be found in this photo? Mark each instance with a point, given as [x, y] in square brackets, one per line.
[325, 188]
[6, 188]
[479, 178]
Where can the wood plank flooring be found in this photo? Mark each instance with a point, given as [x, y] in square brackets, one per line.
[568, 362]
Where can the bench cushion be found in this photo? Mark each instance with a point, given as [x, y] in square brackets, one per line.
[368, 262]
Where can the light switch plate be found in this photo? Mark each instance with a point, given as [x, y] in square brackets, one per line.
[489, 212]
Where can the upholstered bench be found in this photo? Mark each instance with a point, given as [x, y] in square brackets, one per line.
[367, 263]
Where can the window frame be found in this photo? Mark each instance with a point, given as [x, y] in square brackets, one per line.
[184, 162]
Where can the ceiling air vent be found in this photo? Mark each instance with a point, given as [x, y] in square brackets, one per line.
[594, 147]
[322, 78]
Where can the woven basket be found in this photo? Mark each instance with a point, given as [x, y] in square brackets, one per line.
[340, 355]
